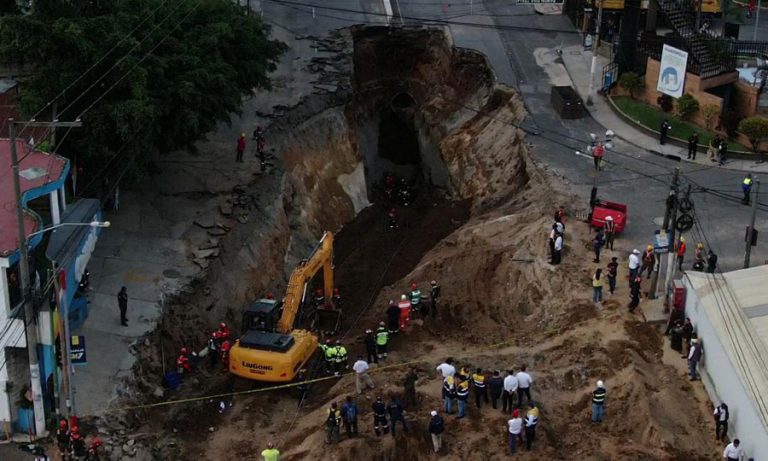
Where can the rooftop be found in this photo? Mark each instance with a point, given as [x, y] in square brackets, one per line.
[39, 174]
[737, 305]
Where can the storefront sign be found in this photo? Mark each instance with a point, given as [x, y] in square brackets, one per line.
[77, 350]
[672, 71]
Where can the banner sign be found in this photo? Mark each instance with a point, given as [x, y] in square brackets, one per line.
[672, 71]
[77, 350]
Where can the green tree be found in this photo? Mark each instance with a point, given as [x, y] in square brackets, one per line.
[755, 129]
[631, 82]
[710, 112]
[172, 71]
[687, 105]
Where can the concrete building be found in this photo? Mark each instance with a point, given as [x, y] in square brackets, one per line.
[730, 314]
[43, 200]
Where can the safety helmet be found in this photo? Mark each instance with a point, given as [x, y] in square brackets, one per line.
[649, 247]
[381, 324]
[184, 351]
[222, 325]
[319, 291]
[338, 342]
[328, 342]
[609, 218]
[270, 295]
[242, 135]
[368, 331]
[391, 301]
[391, 211]
[682, 239]
[403, 297]
[96, 443]
[433, 282]
[413, 286]
[335, 291]
[600, 384]
[63, 424]
[75, 430]
[700, 246]
[270, 445]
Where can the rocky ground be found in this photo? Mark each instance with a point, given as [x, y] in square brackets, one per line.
[481, 232]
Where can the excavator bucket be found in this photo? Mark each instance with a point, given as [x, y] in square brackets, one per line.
[326, 321]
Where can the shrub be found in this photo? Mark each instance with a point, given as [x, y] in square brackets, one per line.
[756, 129]
[631, 82]
[710, 112]
[665, 102]
[687, 105]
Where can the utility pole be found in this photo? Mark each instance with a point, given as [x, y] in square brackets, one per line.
[673, 226]
[750, 229]
[757, 21]
[671, 204]
[595, 45]
[30, 323]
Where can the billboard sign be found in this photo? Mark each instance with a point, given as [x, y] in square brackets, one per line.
[672, 71]
[77, 350]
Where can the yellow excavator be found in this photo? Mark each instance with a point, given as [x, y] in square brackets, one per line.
[270, 349]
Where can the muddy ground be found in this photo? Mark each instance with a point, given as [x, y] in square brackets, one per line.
[480, 230]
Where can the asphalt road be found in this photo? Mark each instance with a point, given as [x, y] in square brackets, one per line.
[509, 34]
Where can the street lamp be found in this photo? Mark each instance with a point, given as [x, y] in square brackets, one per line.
[76, 224]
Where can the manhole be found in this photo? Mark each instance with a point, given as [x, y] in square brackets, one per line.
[171, 273]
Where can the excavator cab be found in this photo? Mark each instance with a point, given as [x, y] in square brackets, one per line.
[263, 315]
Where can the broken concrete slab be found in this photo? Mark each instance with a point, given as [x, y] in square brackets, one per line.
[202, 263]
[201, 254]
[206, 222]
[216, 232]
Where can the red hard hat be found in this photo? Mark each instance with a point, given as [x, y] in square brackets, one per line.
[63, 424]
[184, 351]
[97, 442]
[413, 286]
[335, 291]
[319, 291]
[75, 430]
[222, 325]
[269, 295]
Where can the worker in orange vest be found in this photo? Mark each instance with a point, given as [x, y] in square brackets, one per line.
[680, 250]
[405, 311]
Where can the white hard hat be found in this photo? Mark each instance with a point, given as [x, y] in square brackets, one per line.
[636, 251]
[403, 297]
[433, 413]
[609, 218]
[600, 384]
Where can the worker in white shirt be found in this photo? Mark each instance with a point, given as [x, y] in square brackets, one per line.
[515, 428]
[733, 451]
[634, 264]
[524, 381]
[362, 378]
[510, 389]
[446, 368]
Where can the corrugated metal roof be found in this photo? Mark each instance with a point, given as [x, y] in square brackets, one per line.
[737, 305]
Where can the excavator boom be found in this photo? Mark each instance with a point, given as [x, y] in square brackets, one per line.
[321, 258]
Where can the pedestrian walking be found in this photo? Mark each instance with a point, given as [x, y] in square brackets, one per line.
[409, 387]
[436, 429]
[711, 262]
[530, 422]
[495, 387]
[694, 356]
[597, 286]
[462, 394]
[524, 381]
[332, 424]
[382, 339]
[558, 256]
[722, 152]
[597, 243]
[663, 131]
[510, 391]
[610, 232]
[349, 413]
[396, 413]
[362, 378]
[693, 144]
[515, 428]
[721, 415]
[370, 346]
[598, 403]
[733, 451]
[680, 248]
[380, 416]
[393, 317]
[478, 383]
[449, 394]
[122, 303]
[612, 274]
[434, 296]
[746, 188]
[649, 261]
[270, 453]
[598, 152]
[633, 265]
[240, 148]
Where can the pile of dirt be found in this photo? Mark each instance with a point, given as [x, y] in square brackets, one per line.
[482, 233]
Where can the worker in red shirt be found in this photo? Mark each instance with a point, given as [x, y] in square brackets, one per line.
[680, 251]
[240, 148]
[405, 311]
[336, 298]
[225, 348]
[319, 299]
[597, 154]
[223, 332]
[182, 363]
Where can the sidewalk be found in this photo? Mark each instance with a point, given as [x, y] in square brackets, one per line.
[577, 64]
